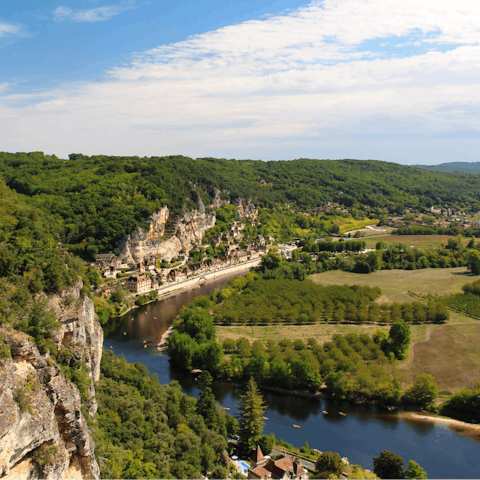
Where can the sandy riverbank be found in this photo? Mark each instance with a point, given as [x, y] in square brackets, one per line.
[466, 428]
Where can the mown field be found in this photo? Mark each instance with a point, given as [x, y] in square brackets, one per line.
[451, 353]
[419, 241]
[395, 284]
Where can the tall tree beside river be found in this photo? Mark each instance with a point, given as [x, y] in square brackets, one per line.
[251, 409]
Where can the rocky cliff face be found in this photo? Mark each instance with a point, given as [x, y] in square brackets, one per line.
[43, 433]
[81, 332]
[187, 231]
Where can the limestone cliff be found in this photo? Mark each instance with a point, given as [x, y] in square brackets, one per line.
[186, 231]
[81, 332]
[43, 433]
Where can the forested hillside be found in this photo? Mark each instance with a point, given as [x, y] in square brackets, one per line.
[30, 262]
[98, 200]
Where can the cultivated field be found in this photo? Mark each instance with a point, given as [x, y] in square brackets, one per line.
[395, 284]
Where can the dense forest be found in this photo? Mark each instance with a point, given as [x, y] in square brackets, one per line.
[146, 430]
[31, 264]
[98, 200]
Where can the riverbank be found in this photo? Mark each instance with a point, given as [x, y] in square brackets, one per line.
[457, 425]
[169, 291]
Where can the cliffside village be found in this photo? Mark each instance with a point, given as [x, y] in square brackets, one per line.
[149, 274]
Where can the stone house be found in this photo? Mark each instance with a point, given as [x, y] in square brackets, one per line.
[261, 240]
[138, 284]
[216, 240]
[173, 275]
[242, 256]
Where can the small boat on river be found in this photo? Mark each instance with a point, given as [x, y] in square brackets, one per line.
[342, 414]
[325, 412]
[264, 418]
[226, 408]
[297, 426]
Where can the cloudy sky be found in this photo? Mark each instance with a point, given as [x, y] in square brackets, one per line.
[371, 79]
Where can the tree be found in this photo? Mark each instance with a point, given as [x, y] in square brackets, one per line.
[206, 404]
[136, 467]
[220, 472]
[266, 443]
[388, 465]
[414, 470]
[251, 409]
[329, 462]
[271, 261]
[423, 391]
[472, 261]
[399, 339]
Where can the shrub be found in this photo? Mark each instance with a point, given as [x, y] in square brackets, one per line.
[22, 400]
[5, 351]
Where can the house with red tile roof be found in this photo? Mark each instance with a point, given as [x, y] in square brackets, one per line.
[284, 468]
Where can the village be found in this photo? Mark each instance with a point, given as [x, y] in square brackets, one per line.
[155, 274]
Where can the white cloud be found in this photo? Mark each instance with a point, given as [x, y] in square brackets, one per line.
[7, 29]
[301, 83]
[98, 14]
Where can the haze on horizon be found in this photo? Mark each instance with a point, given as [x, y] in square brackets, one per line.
[266, 79]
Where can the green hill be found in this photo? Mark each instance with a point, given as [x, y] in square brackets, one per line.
[97, 200]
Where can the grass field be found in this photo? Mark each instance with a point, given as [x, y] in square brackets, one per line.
[451, 353]
[419, 241]
[395, 284]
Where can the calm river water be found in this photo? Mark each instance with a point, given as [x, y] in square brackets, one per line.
[360, 435]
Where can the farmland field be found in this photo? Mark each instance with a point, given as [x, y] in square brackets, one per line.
[395, 284]
[451, 353]
[419, 241]
[321, 332]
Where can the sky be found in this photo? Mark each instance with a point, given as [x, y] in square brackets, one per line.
[264, 79]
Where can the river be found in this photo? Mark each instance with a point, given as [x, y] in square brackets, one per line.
[362, 434]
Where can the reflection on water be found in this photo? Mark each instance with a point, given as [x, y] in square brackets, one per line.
[149, 322]
[420, 428]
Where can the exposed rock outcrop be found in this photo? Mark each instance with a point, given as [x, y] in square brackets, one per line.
[80, 331]
[246, 209]
[186, 231]
[43, 433]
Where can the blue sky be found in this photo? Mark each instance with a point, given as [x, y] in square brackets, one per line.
[378, 79]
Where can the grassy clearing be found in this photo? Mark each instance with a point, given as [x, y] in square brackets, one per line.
[395, 284]
[419, 241]
[451, 354]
